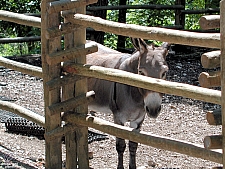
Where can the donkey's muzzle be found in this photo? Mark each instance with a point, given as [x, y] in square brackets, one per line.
[153, 103]
[153, 112]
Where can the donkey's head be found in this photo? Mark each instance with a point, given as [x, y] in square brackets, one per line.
[151, 63]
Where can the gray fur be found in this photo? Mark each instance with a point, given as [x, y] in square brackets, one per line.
[127, 103]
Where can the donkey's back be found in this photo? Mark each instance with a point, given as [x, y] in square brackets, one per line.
[109, 58]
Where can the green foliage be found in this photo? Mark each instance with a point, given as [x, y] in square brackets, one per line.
[10, 29]
[192, 20]
[151, 17]
[13, 49]
[157, 18]
[140, 17]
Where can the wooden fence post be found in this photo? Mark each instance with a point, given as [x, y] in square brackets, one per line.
[77, 141]
[222, 63]
[67, 93]
[53, 149]
[80, 88]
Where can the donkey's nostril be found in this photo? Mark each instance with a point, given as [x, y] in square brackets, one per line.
[146, 108]
[159, 109]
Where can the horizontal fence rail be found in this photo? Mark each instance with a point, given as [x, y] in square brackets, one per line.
[21, 67]
[201, 11]
[23, 112]
[156, 141]
[162, 86]
[158, 7]
[20, 18]
[20, 39]
[210, 40]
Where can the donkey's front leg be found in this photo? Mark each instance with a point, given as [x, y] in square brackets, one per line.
[120, 148]
[132, 149]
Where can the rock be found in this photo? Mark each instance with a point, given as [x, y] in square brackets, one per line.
[3, 84]
[90, 155]
[152, 163]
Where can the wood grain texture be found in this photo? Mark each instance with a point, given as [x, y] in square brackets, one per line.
[211, 40]
[158, 85]
[209, 22]
[156, 141]
[53, 148]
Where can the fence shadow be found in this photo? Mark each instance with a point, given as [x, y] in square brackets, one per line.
[9, 161]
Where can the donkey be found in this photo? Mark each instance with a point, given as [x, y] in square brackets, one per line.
[128, 103]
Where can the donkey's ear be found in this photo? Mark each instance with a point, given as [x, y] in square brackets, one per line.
[166, 45]
[134, 42]
[139, 44]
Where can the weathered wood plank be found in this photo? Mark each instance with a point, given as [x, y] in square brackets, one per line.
[20, 18]
[156, 141]
[211, 60]
[211, 40]
[214, 117]
[21, 67]
[63, 28]
[158, 85]
[222, 64]
[71, 103]
[209, 22]
[23, 112]
[60, 132]
[68, 92]
[62, 81]
[81, 87]
[62, 5]
[213, 142]
[209, 80]
[54, 147]
[72, 53]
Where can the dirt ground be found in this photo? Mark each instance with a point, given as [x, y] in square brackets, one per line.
[180, 118]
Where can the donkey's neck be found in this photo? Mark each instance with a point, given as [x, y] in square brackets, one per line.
[131, 64]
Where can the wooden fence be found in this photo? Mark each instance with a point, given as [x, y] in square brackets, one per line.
[100, 9]
[179, 10]
[74, 28]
